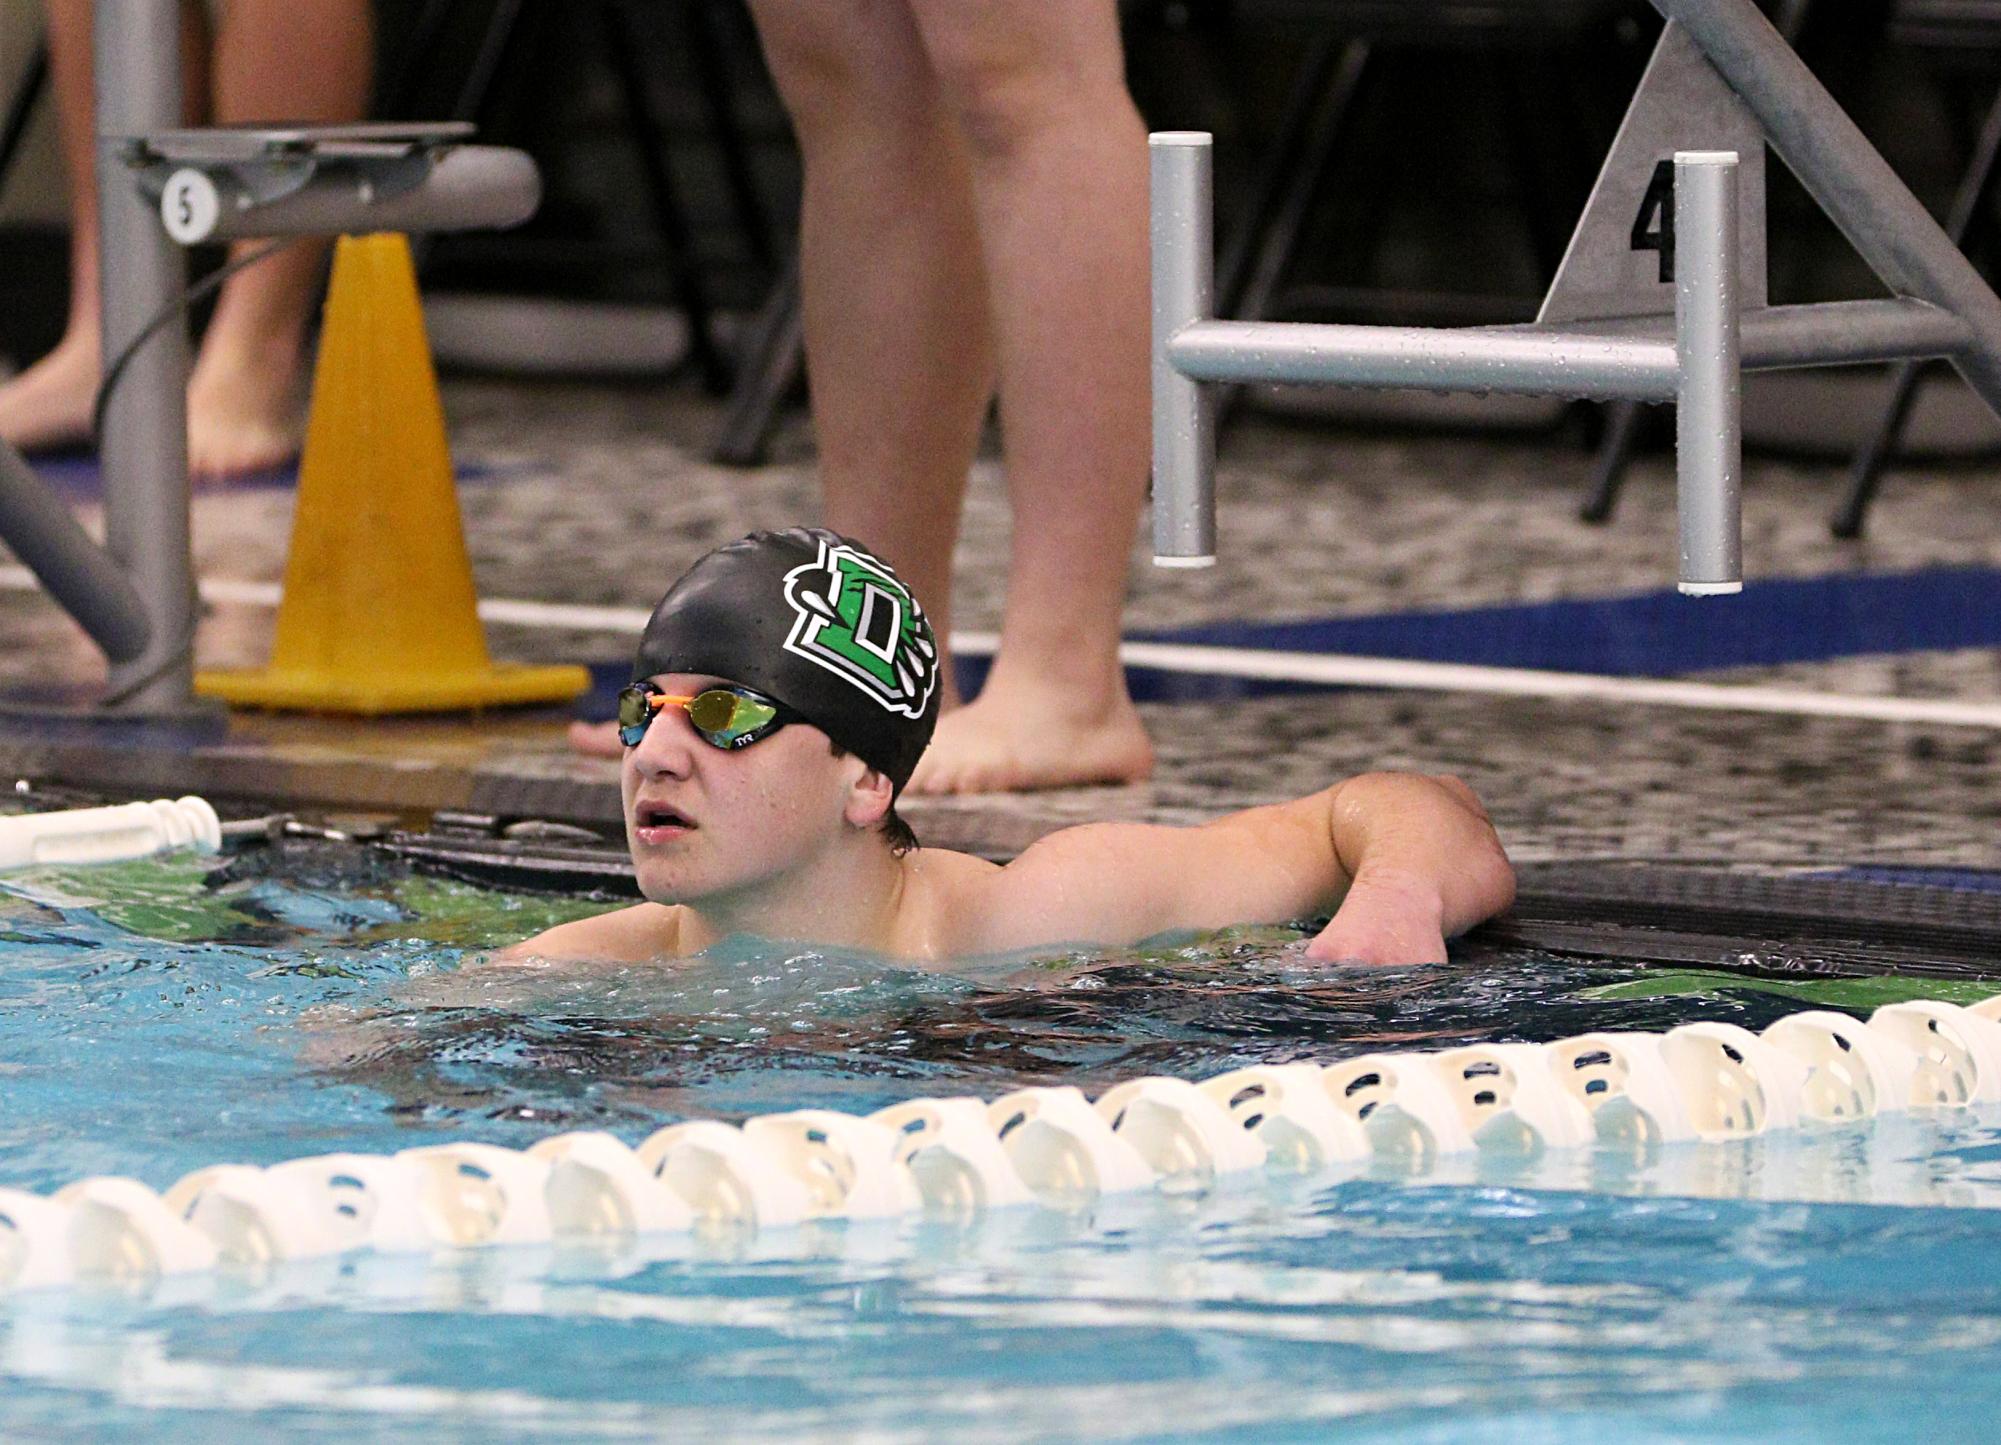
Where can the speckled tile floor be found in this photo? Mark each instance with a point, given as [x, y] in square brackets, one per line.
[600, 495]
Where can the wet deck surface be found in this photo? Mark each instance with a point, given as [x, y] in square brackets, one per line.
[599, 495]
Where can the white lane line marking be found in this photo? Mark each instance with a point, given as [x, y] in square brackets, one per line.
[1389, 672]
[1326, 669]
[226, 589]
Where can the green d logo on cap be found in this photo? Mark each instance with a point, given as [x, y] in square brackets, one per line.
[856, 620]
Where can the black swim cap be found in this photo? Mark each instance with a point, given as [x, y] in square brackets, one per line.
[817, 622]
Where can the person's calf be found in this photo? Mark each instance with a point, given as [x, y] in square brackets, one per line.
[246, 412]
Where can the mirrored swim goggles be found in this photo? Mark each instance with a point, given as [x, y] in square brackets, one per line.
[723, 716]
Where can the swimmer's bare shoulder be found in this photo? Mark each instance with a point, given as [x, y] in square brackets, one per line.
[938, 887]
[639, 934]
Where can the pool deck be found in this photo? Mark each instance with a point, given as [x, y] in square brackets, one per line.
[597, 495]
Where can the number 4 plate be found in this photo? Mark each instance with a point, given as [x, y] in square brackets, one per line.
[1621, 256]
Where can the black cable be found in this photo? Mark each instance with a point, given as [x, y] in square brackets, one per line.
[172, 311]
[182, 650]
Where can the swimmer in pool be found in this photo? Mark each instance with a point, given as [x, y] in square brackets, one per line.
[788, 684]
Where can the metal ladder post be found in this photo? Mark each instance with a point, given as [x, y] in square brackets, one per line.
[1708, 435]
[1184, 266]
[144, 447]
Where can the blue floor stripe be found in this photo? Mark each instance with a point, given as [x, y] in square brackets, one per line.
[1656, 634]
[74, 474]
[1964, 880]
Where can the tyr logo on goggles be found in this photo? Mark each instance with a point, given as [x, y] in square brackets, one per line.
[724, 717]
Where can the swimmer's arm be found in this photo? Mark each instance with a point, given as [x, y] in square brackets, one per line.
[1407, 861]
[1424, 864]
[639, 934]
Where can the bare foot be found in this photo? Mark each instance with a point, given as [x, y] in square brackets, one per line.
[1016, 739]
[242, 418]
[48, 405]
[596, 739]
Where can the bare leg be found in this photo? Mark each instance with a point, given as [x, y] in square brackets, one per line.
[1059, 183]
[897, 331]
[899, 359]
[275, 60]
[48, 405]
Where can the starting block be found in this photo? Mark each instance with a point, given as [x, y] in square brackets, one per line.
[1660, 297]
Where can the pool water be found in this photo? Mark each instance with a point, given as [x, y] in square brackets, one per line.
[160, 1016]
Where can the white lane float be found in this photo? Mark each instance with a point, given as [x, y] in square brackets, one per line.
[1509, 1099]
[1062, 1148]
[1853, 1071]
[474, 1195]
[34, 1241]
[1959, 1051]
[361, 1201]
[1185, 1137]
[120, 1230]
[725, 1180]
[1733, 1084]
[1285, 1108]
[1403, 1104]
[952, 1152]
[1623, 1080]
[848, 1165]
[599, 1188]
[254, 1216]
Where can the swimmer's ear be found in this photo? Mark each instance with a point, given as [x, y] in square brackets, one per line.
[870, 797]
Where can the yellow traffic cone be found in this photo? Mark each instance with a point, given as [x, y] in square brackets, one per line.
[379, 613]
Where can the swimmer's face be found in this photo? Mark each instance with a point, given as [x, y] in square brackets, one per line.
[710, 823]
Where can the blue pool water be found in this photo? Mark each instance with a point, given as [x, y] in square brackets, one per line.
[162, 1016]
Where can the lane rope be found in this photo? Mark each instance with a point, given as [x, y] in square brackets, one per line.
[1690, 1089]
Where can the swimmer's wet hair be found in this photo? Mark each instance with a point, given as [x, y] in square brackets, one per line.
[900, 836]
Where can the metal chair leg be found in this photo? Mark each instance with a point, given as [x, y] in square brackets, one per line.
[1622, 431]
[1866, 476]
[706, 45]
[664, 196]
[398, 88]
[479, 77]
[1244, 253]
[1330, 81]
[21, 109]
[774, 354]
[475, 95]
